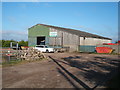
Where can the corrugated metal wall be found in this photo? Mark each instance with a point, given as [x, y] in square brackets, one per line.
[88, 44]
[32, 41]
[73, 41]
[35, 32]
[93, 41]
[63, 38]
[86, 48]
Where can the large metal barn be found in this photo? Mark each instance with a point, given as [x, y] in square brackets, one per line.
[55, 36]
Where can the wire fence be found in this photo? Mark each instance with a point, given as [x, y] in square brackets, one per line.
[8, 55]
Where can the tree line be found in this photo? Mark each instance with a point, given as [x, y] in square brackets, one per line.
[6, 43]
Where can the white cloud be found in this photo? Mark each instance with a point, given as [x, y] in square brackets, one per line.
[14, 34]
[114, 38]
[12, 19]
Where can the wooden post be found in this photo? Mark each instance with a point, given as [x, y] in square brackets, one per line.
[9, 58]
[55, 41]
[78, 43]
[62, 40]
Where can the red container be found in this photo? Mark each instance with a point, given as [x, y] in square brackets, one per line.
[119, 41]
[104, 49]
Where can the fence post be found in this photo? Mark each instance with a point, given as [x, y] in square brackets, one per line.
[8, 56]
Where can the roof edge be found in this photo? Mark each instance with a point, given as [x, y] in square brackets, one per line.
[97, 36]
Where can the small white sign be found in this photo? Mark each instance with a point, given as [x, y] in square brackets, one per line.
[53, 34]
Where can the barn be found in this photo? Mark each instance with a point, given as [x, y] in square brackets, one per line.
[54, 36]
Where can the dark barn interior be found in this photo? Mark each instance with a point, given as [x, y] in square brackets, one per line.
[41, 40]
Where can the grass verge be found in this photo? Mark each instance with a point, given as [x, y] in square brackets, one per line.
[18, 62]
[105, 53]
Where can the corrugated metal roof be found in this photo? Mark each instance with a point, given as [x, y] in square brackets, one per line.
[77, 32]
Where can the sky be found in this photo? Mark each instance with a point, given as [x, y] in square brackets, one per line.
[60, 0]
[99, 18]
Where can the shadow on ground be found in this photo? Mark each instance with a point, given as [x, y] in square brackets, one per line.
[98, 70]
[71, 75]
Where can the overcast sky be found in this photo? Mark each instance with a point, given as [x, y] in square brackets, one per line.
[99, 18]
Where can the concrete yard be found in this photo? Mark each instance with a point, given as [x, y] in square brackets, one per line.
[63, 70]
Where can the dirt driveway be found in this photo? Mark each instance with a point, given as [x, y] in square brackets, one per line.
[62, 70]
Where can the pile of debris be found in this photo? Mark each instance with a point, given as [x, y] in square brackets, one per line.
[30, 54]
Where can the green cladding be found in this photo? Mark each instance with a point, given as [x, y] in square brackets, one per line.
[86, 48]
[35, 32]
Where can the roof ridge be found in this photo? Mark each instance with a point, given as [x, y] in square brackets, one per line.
[77, 32]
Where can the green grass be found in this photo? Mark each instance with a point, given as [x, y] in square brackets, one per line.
[97, 53]
[12, 62]
[17, 62]
[106, 53]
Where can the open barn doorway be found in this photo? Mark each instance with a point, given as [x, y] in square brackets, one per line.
[41, 40]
